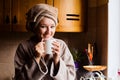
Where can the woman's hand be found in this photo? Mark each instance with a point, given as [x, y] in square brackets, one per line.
[56, 52]
[40, 50]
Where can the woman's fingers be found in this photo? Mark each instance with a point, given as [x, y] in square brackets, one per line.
[40, 48]
[56, 47]
[56, 51]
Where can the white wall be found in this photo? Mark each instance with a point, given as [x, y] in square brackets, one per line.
[113, 38]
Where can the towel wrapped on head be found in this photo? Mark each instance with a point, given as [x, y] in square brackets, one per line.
[37, 13]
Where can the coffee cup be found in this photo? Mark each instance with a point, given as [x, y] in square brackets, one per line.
[48, 46]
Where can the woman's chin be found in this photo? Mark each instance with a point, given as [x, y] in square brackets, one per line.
[47, 38]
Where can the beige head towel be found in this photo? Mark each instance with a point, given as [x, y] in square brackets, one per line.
[37, 12]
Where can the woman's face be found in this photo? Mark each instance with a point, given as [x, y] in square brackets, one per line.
[46, 28]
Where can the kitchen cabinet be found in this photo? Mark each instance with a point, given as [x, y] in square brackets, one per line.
[4, 20]
[12, 14]
[72, 15]
[23, 7]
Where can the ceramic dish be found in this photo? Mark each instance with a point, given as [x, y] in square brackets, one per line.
[94, 67]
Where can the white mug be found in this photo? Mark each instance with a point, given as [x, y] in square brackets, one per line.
[48, 46]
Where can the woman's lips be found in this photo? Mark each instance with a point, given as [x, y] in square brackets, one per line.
[47, 37]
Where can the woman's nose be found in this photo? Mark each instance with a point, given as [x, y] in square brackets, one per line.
[48, 30]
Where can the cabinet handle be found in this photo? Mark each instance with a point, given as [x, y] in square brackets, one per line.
[14, 21]
[74, 17]
[7, 19]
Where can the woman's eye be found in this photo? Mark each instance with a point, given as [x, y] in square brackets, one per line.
[52, 26]
[43, 26]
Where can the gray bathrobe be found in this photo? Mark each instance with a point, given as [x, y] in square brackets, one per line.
[26, 67]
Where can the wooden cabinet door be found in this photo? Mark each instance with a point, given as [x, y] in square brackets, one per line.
[5, 15]
[13, 14]
[71, 15]
[20, 7]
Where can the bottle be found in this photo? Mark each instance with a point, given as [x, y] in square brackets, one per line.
[90, 53]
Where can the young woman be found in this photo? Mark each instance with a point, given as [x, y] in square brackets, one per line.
[31, 61]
